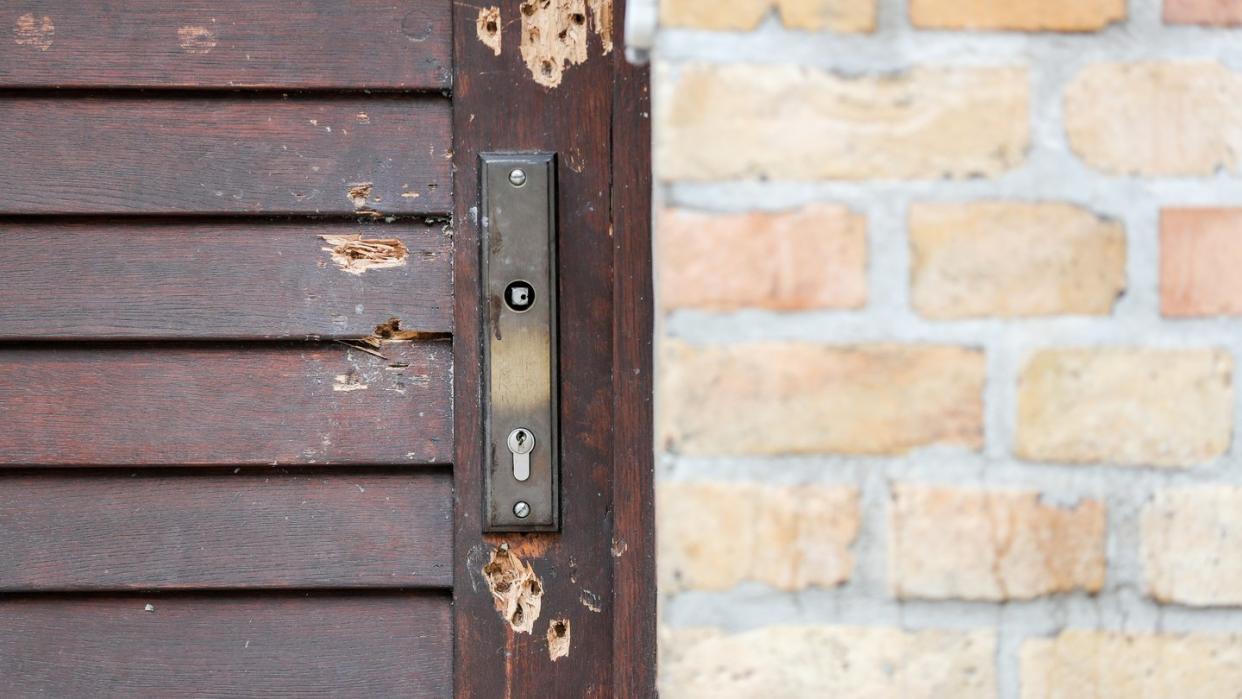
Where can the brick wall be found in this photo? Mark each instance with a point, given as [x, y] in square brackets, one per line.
[951, 303]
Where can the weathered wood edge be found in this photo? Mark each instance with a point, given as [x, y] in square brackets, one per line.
[633, 538]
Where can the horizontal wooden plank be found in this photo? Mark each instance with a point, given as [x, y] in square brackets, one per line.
[221, 280]
[227, 43]
[225, 404]
[123, 531]
[227, 154]
[227, 646]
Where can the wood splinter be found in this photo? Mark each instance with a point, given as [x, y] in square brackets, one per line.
[356, 255]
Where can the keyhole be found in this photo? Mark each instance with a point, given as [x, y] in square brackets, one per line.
[521, 442]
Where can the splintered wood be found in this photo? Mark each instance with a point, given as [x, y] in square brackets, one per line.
[356, 255]
[390, 331]
[558, 639]
[555, 35]
[487, 26]
[516, 590]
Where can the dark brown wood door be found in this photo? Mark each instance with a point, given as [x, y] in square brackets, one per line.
[239, 350]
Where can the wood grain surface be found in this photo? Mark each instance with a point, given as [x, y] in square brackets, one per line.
[225, 404]
[574, 120]
[202, 493]
[633, 534]
[258, 529]
[242, 645]
[227, 154]
[221, 280]
[226, 43]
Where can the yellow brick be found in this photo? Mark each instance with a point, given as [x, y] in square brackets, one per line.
[949, 543]
[776, 398]
[716, 535]
[1093, 665]
[837, 15]
[739, 15]
[1014, 259]
[1020, 15]
[793, 123]
[828, 661]
[1192, 545]
[811, 258]
[1136, 407]
[745, 15]
[1156, 118]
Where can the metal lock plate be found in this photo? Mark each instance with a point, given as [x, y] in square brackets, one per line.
[518, 223]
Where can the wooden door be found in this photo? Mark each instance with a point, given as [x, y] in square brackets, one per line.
[240, 393]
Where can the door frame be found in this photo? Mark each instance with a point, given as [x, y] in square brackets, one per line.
[598, 572]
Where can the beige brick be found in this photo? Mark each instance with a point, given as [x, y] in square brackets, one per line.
[788, 398]
[811, 258]
[1156, 118]
[737, 15]
[1221, 13]
[794, 123]
[1134, 407]
[794, 662]
[1019, 15]
[716, 535]
[950, 543]
[1014, 259]
[836, 15]
[1095, 665]
[1200, 255]
[745, 15]
[1192, 545]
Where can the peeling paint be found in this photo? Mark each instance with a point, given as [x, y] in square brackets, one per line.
[591, 601]
[487, 26]
[34, 31]
[196, 39]
[558, 639]
[619, 546]
[555, 35]
[348, 382]
[516, 591]
[356, 255]
[476, 560]
[601, 20]
[358, 192]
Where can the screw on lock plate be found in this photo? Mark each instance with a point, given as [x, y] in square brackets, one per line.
[521, 442]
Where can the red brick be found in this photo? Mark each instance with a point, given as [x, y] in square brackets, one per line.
[1200, 255]
[1221, 13]
[812, 258]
